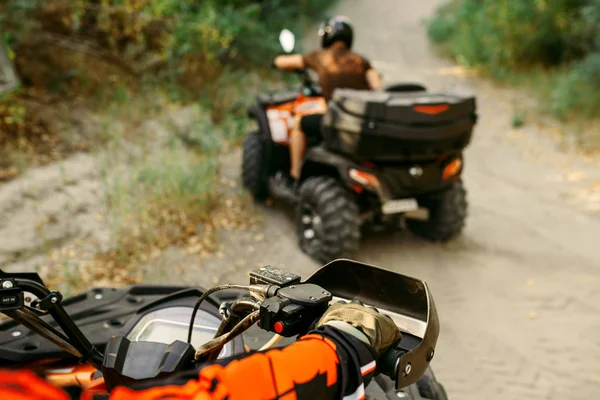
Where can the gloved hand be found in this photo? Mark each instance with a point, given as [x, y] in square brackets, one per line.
[378, 329]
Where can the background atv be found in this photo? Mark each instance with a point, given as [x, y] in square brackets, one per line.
[389, 157]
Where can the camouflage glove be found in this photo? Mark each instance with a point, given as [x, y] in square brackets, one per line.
[378, 329]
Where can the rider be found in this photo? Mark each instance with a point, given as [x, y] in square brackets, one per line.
[338, 67]
[335, 360]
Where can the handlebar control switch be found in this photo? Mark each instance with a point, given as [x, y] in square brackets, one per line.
[268, 275]
[293, 310]
[11, 296]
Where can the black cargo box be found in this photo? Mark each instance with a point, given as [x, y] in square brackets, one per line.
[381, 126]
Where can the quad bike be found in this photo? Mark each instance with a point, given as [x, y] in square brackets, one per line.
[389, 158]
[109, 337]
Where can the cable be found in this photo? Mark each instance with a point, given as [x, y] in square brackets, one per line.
[219, 342]
[272, 342]
[203, 297]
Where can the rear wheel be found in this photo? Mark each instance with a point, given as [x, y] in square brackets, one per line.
[327, 220]
[447, 214]
[254, 175]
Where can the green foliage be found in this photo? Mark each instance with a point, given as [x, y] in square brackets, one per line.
[579, 90]
[508, 38]
[175, 38]
[518, 119]
[103, 54]
[513, 33]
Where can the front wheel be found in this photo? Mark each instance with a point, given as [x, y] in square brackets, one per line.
[327, 220]
[447, 215]
[254, 175]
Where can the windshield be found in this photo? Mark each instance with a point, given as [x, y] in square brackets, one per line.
[170, 324]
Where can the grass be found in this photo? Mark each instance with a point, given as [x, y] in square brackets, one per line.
[470, 33]
[159, 200]
[162, 185]
[156, 195]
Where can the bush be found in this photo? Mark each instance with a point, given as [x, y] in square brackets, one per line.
[178, 39]
[516, 34]
[94, 52]
[509, 37]
[579, 91]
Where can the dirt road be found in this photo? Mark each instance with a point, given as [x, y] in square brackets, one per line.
[519, 293]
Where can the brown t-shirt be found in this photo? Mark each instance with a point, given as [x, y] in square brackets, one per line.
[338, 67]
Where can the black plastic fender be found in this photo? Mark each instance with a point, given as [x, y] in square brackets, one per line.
[258, 113]
[320, 161]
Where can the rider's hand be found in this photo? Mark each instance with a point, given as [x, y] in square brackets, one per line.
[273, 60]
[378, 329]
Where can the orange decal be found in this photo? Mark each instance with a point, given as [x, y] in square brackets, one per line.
[431, 110]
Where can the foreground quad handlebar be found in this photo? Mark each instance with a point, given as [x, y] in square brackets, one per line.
[13, 304]
[279, 301]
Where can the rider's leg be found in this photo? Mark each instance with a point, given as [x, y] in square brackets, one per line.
[297, 148]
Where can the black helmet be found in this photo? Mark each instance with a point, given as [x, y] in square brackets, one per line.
[335, 29]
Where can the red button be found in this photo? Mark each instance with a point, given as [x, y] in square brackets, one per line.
[278, 327]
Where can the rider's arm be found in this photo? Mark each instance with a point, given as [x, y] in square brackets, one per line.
[297, 61]
[289, 62]
[373, 79]
[328, 363]
[325, 364]
[372, 76]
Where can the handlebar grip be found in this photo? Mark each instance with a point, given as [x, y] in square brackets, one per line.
[388, 362]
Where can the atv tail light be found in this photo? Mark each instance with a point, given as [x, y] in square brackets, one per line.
[364, 178]
[452, 168]
[431, 110]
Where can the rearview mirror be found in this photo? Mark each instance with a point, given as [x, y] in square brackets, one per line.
[287, 40]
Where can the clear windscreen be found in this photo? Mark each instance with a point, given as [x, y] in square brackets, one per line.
[170, 324]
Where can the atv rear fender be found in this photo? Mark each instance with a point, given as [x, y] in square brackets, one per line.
[319, 161]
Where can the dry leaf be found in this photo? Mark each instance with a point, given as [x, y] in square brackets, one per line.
[532, 315]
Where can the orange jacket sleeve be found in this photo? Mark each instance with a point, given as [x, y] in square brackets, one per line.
[324, 364]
